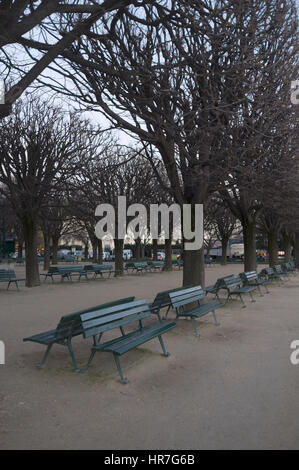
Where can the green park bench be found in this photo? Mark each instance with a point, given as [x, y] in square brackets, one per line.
[178, 263]
[209, 261]
[9, 276]
[162, 300]
[96, 323]
[234, 286]
[68, 327]
[137, 266]
[186, 298]
[65, 272]
[215, 288]
[278, 270]
[156, 265]
[20, 260]
[251, 278]
[287, 267]
[271, 275]
[100, 269]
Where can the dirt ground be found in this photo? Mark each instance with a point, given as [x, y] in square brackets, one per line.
[232, 388]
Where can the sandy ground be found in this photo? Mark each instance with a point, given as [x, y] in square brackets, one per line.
[232, 388]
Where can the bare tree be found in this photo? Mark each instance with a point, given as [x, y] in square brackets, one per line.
[57, 24]
[220, 223]
[37, 149]
[174, 84]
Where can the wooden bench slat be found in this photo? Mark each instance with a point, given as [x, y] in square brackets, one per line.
[117, 323]
[107, 310]
[125, 344]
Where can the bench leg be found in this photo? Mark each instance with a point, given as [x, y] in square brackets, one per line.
[167, 312]
[70, 348]
[260, 291]
[266, 288]
[251, 296]
[122, 379]
[41, 365]
[165, 353]
[157, 312]
[227, 298]
[243, 303]
[89, 362]
[195, 327]
[122, 330]
[215, 319]
[216, 296]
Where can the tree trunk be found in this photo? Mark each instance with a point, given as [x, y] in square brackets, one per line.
[138, 249]
[119, 261]
[272, 247]
[86, 252]
[94, 243]
[224, 243]
[142, 250]
[194, 267]
[30, 236]
[249, 235]
[55, 241]
[155, 249]
[47, 239]
[20, 248]
[296, 250]
[100, 251]
[194, 260]
[287, 246]
[168, 255]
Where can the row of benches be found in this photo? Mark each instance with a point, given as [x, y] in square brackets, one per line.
[95, 321]
[247, 282]
[187, 302]
[68, 272]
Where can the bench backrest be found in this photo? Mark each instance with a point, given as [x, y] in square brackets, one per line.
[105, 319]
[98, 267]
[231, 282]
[186, 296]
[268, 271]
[71, 325]
[155, 263]
[53, 269]
[7, 274]
[130, 264]
[219, 282]
[277, 268]
[69, 269]
[162, 299]
[249, 276]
